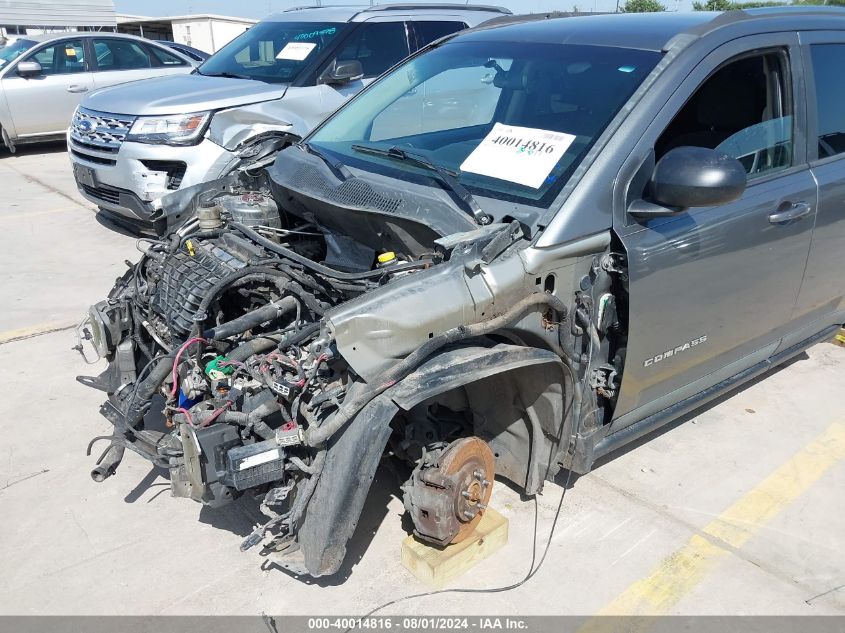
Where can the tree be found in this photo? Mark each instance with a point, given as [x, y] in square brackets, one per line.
[728, 5]
[713, 5]
[642, 6]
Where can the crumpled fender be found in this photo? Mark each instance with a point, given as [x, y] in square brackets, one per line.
[531, 378]
[296, 114]
[335, 507]
[461, 365]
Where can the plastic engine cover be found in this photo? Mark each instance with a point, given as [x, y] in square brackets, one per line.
[186, 280]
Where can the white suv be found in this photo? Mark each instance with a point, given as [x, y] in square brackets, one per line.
[131, 145]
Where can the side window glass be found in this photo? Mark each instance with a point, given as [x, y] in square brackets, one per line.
[378, 46]
[114, 54]
[427, 32]
[456, 98]
[165, 58]
[828, 61]
[744, 109]
[63, 57]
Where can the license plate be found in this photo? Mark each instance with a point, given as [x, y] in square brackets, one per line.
[85, 175]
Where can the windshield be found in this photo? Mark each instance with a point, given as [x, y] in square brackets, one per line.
[14, 50]
[512, 120]
[275, 52]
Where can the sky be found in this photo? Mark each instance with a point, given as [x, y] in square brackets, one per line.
[259, 8]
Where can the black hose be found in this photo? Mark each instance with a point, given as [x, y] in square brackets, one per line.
[311, 264]
[303, 497]
[108, 462]
[264, 343]
[321, 434]
[311, 302]
[144, 391]
[251, 319]
[260, 273]
[254, 419]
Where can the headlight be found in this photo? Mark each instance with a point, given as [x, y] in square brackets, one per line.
[178, 129]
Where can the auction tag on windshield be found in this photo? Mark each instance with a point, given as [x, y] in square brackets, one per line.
[296, 51]
[523, 155]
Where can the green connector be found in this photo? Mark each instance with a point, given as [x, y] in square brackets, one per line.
[214, 371]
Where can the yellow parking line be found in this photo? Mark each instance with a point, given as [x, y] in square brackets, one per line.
[680, 572]
[36, 330]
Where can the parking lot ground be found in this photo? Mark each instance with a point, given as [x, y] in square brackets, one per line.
[735, 510]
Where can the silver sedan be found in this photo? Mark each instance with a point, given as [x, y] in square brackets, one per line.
[44, 77]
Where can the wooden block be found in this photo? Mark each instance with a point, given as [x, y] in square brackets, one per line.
[437, 567]
[839, 339]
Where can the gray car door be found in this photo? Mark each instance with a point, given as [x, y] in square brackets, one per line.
[712, 290]
[822, 299]
[43, 104]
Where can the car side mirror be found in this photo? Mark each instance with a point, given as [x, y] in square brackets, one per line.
[691, 177]
[342, 72]
[29, 68]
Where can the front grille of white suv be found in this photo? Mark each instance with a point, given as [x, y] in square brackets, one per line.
[99, 131]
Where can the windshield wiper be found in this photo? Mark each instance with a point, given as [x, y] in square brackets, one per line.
[446, 177]
[226, 75]
[336, 167]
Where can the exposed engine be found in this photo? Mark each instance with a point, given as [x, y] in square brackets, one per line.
[277, 344]
[225, 323]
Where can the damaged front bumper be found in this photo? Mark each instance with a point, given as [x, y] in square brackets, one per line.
[129, 183]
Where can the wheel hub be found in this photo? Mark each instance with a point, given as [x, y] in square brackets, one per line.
[448, 494]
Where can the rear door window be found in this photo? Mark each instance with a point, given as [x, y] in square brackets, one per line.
[828, 64]
[117, 54]
[377, 45]
[426, 32]
[166, 58]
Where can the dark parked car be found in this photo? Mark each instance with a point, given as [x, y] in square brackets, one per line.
[188, 51]
[522, 248]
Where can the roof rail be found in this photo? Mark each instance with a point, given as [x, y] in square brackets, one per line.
[437, 7]
[734, 16]
[303, 7]
[528, 17]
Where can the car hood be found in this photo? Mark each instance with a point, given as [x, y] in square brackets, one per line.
[180, 94]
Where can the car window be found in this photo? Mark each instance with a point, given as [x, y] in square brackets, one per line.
[744, 109]
[377, 45]
[427, 32]
[455, 98]
[14, 50]
[486, 107]
[273, 52]
[116, 54]
[828, 62]
[190, 53]
[65, 57]
[165, 58]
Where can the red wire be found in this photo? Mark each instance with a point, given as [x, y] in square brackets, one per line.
[176, 362]
[216, 414]
[187, 415]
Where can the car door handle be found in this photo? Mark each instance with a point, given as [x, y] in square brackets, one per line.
[75, 88]
[793, 212]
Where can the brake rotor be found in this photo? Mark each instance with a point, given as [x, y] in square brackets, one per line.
[470, 465]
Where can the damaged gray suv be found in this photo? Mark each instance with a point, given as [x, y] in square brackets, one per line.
[522, 248]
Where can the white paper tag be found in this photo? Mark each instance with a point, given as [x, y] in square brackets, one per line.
[296, 51]
[522, 155]
[258, 459]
